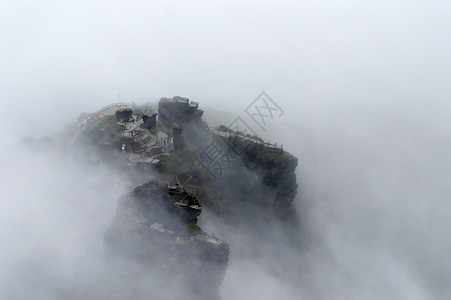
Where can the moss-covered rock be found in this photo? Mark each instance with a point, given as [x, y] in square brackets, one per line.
[103, 132]
[191, 229]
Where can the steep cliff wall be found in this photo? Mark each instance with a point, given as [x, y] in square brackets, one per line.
[277, 171]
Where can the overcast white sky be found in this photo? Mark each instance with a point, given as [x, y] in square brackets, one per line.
[365, 87]
[72, 56]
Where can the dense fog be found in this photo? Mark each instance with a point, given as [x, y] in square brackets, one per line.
[365, 97]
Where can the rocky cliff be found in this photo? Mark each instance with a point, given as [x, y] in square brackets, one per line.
[155, 226]
[237, 178]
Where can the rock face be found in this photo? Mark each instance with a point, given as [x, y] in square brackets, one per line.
[155, 225]
[177, 134]
[179, 109]
[150, 119]
[277, 170]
